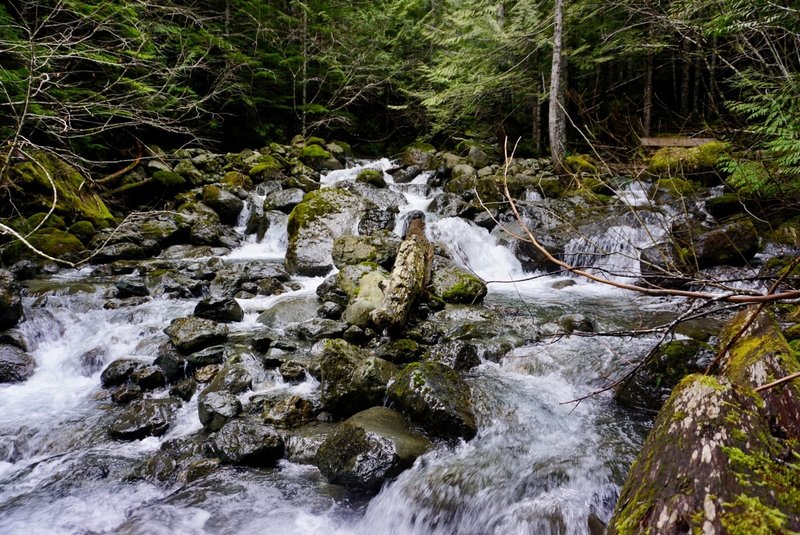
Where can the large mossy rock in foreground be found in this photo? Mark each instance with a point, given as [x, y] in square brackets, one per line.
[315, 223]
[368, 448]
[455, 285]
[720, 458]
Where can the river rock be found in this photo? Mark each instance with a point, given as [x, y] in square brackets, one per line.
[653, 383]
[220, 309]
[368, 448]
[477, 157]
[405, 175]
[291, 411]
[421, 154]
[400, 351]
[148, 377]
[10, 301]
[144, 418]
[224, 203]
[119, 371]
[126, 288]
[368, 296]
[315, 223]
[435, 397]
[455, 285]
[284, 200]
[380, 247]
[247, 442]
[732, 244]
[15, 364]
[459, 355]
[352, 381]
[302, 443]
[233, 377]
[217, 408]
[375, 219]
[192, 334]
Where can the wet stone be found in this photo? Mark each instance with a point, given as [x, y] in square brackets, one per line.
[15, 365]
[292, 372]
[144, 418]
[125, 394]
[216, 408]
[92, 361]
[149, 377]
[119, 371]
[223, 310]
[247, 442]
[184, 389]
[127, 289]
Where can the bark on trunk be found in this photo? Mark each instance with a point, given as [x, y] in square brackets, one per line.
[647, 120]
[409, 276]
[557, 117]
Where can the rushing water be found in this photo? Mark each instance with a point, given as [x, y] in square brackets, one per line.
[538, 464]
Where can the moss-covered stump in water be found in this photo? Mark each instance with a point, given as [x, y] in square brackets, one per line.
[409, 276]
[710, 465]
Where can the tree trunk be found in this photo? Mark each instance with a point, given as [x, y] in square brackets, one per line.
[647, 119]
[686, 76]
[536, 119]
[557, 119]
[409, 276]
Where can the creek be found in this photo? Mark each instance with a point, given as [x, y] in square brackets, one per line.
[537, 465]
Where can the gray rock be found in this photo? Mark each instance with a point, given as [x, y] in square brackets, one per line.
[368, 448]
[247, 443]
[127, 288]
[15, 364]
[291, 411]
[368, 297]
[435, 397]
[148, 377]
[317, 329]
[144, 418]
[119, 372]
[455, 285]
[217, 408]
[192, 334]
[456, 354]
[407, 174]
[284, 200]
[379, 247]
[375, 219]
[477, 158]
[224, 203]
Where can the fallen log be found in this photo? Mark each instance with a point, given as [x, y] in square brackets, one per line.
[409, 277]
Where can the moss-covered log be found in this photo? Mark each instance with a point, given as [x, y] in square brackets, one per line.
[723, 458]
[409, 276]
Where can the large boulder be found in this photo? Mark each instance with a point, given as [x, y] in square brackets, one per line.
[350, 380]
[144, 418]
[283, 200]
[421, 154]
[10, 301]
[215, 409]
[15, 364]
[455, 285]
[192, 334]
[247, 442]
[435, 397]
[315, 223]
[732, 244]
[224, 203]
[379, 247]
[220, 309]
[368, 448]
[368, 297]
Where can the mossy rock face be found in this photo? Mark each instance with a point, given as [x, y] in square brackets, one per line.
[226, 204]
[652, 385]
[52, 242]
[369, 295]
[235, 179]
[75, 202]
[316, 157]
[380, 248]
[550, 187]
[315, 223]
[421, 154]
[787, 233]
[732, 244]
[51, 221]
[710, 465]
[349, 276]
[267, 168]
[368, 448]
[580, 163]
[435, 397]
[694, 162]
[678, 187]
[455, 285]
[462, 182]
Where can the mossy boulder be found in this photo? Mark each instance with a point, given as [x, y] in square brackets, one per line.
[247, 442]
[169, 179]
[352, 381]
[421, 154]
[191, 334]
[316, 157]
[315, 223]
[652, 385]
[435, 397]
[380, 247]
[83, 230]
[372, 176]
[267, 168]
[35, 180]
[10, 301]
[580, 163]
[367, 297]
[50, 241]
[368, 448]
[678, 187]
[236, 179]
[732, 244]
[224, 203]
[453, 284]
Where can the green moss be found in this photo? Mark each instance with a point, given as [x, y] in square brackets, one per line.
[372, 176]
[580, 163]
[678, 186]
[33, 179]
[675, 161]
[235, 179]
[169, 179]
[53, 242]
[421, 146]
[749, 516]
[464, 290]
[311, 153]
[84, 230]
[313, 140]
[266, 168]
